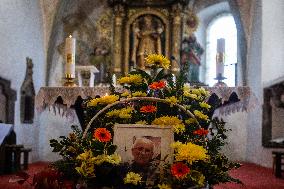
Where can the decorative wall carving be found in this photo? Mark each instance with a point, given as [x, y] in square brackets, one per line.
[28, 94]
[7, 101]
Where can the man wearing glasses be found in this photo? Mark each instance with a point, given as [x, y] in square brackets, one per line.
[143, 163]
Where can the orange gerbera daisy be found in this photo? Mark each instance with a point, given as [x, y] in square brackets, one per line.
[157, 85]
[102, 135]
[148, 109]
[201, 132]
[179, 170]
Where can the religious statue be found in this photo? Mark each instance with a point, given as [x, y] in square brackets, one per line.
[191, 55]
[146, 39]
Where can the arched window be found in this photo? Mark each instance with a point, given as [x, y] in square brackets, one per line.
[223, 26]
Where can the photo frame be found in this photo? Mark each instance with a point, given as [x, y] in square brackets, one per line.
[125, 136]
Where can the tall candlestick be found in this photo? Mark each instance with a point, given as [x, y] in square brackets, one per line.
[70, 48]
[220, 58]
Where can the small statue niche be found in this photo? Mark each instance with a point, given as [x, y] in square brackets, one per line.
[28, 94]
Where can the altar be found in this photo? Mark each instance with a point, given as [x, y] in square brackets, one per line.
[232, 99]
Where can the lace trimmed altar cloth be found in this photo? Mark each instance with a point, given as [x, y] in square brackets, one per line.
[47, 97]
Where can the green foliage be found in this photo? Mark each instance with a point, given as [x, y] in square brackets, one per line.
[190, 118]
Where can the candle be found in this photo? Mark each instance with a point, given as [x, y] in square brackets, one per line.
[221, 45]
[70, 47]
[220, 57]
[114, 80]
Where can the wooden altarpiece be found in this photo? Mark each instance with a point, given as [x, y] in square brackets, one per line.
[168, 17]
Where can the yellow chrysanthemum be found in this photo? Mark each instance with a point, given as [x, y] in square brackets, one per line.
[204, 92]
[158, 60]
[204, 105]
[196, 91]
[173, 100]
[108, 99]
[132, 178]
[86, 169]
[189, 152]
[200, 115]
[142, 122]
[176, 144]
[114, 159]
[190, 121]
[173, 121]
[164, 186]
[124, 113]
[131, 79]
[125, 94]
[186, 87]
[85, 156]
[139, 94]
[179, 128]
[190, 95]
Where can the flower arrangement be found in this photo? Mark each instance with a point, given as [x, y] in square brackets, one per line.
[149, 99]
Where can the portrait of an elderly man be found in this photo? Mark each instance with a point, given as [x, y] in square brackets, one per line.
[143, 162]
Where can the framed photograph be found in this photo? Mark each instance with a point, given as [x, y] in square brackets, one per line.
[143, 144]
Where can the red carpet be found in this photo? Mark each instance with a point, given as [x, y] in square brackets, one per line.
[33, 168]
[253, 177]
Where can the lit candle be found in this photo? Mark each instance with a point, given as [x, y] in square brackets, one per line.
[70, 47]
[220, 57]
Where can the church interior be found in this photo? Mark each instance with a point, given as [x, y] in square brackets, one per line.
[234, 49]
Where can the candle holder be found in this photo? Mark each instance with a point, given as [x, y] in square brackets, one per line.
[220, 82]
[69, 81]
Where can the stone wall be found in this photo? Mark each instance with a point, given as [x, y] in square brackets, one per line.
[21, 36]
[265, 66]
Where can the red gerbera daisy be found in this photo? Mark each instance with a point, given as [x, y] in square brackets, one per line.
[102, 135]
[157, 85]
[179, 170]
[148, 109]
[201, 132]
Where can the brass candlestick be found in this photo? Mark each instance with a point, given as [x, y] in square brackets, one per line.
[69, 80]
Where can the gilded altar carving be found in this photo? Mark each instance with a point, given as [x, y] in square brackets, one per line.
[117, 38]
[176, 15]
[141, 28]
[146, 39]
[154, 38]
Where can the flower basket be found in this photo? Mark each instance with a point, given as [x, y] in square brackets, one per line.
[163, 126]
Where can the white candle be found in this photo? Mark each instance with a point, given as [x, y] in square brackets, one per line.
[221, 45]
[220, 57]
[70, 48]
[114, 80]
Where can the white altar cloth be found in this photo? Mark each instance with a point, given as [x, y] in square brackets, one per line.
[47, 96]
